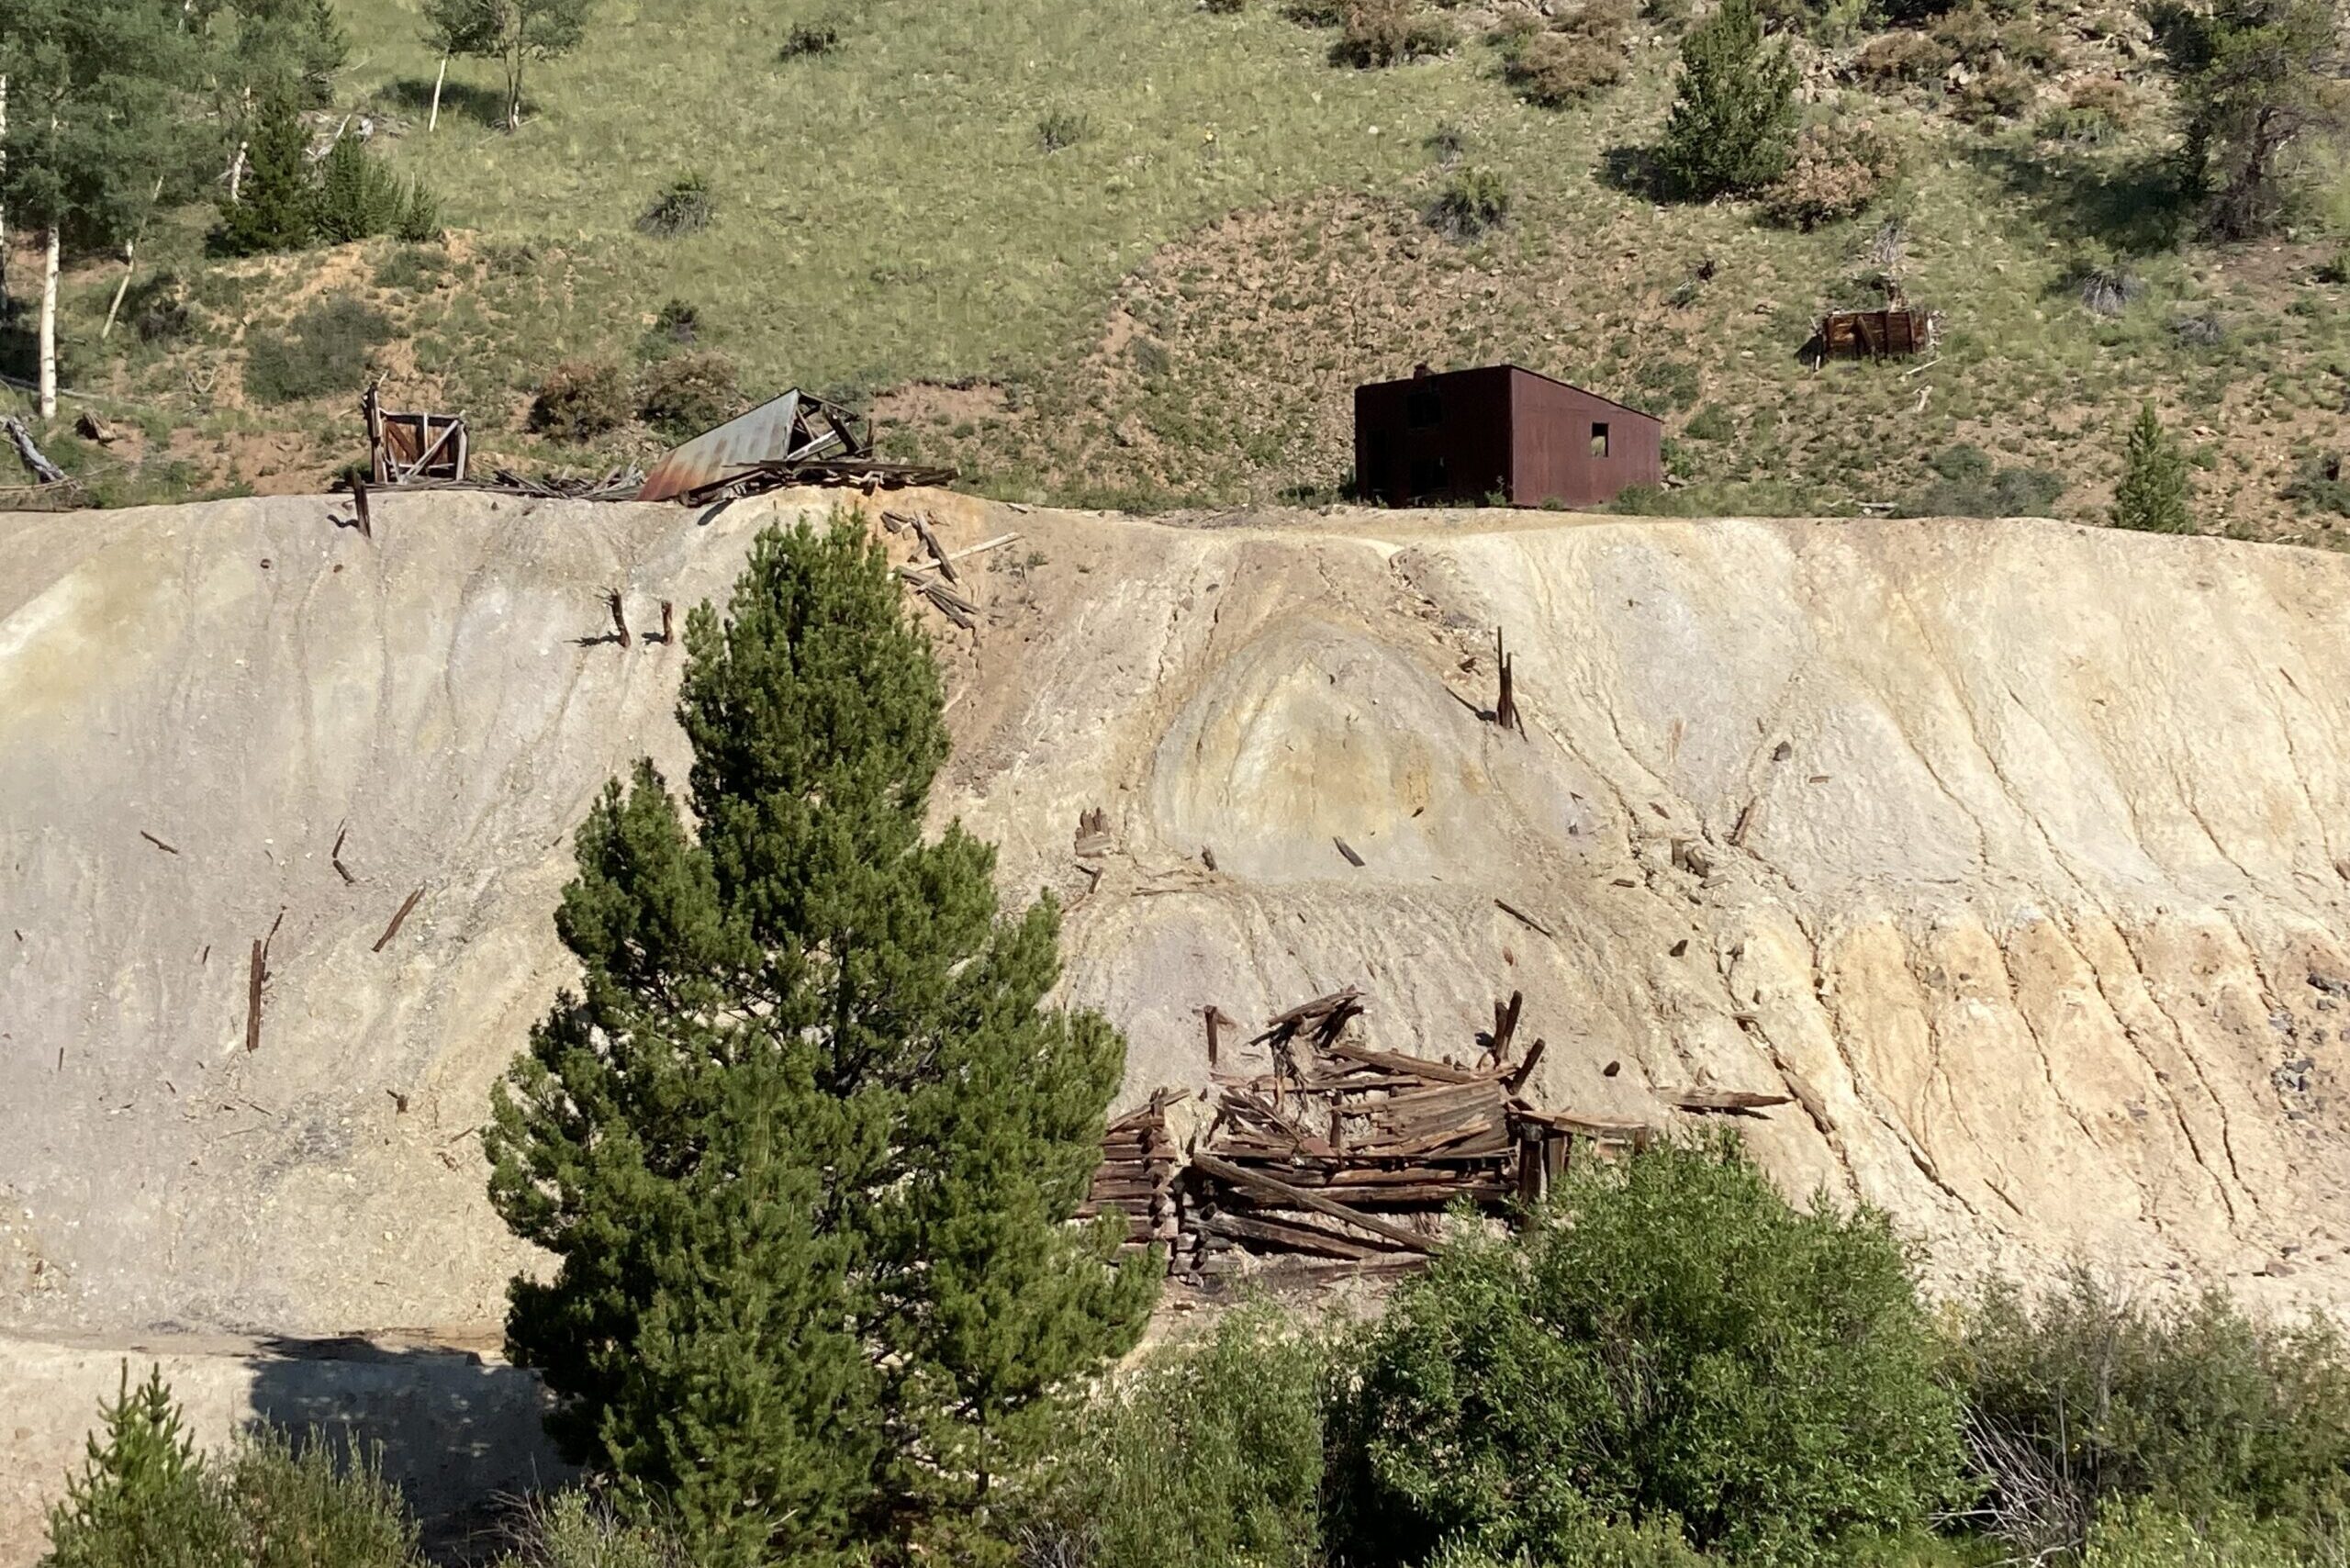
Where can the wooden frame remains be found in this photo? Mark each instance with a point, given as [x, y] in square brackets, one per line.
[404, 448]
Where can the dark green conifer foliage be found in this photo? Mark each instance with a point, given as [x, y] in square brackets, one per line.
[805, 1143]
[276, 206]
[358, 198]
[1733, 123]
[141, 1496]
[2153, 494]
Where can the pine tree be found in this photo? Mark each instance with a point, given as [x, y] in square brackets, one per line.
[1734, 122]
[357, 197]
[277, 204]
[140, 1497]
[805, 1144]
[2256, 78]
[2152, 495]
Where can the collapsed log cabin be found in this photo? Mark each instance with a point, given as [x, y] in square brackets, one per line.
[1342, 1156]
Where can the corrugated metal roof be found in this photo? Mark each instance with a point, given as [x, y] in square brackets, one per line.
[794, 427]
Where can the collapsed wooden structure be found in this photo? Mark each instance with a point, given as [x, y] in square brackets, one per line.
[1342, 1156]
[796, 439]
[405, 448]
[1891, 333]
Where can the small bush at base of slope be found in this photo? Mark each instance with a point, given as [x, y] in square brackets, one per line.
[1211, 1454]
[581, 400]
[1670, 1342]
[1838, 169]
[685, 394]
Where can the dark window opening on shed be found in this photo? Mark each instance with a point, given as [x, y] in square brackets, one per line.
[1599, 440]
[1426, 409]
[1428, 476]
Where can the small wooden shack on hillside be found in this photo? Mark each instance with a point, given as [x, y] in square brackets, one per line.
[1499, 429]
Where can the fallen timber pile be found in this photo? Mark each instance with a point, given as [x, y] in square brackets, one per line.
[1342, 1156]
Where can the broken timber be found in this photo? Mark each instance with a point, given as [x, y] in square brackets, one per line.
[1324, 1161]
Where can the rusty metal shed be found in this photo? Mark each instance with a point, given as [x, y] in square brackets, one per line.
[794, 428]
[1500, 431]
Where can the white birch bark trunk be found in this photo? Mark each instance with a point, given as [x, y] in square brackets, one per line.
[49, 328]
[431, 125]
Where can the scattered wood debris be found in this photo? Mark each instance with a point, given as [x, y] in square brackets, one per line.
[1523, 918]
[1349, 851]
[1707, 1101]
[256, 976]
[166, 849]
[619, 617]
[334, 855]
[394, 928]
[1505, 712]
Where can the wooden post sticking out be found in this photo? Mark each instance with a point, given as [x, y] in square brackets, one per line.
[668, 624]
[255, 976]
[1213, 1017]
[620, 620]
[1505, 710]
[359, 506]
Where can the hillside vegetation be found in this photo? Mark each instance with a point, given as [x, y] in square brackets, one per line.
[1139, 253]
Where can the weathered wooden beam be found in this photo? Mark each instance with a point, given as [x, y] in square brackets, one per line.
[394, 928]
[1299, 1197]
[257, 974]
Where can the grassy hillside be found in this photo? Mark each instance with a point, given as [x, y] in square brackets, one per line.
[1171, 308]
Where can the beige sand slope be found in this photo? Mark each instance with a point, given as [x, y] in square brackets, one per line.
[2037, 908]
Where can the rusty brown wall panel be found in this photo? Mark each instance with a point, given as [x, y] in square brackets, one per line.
[1553, 461]
[1463, 456]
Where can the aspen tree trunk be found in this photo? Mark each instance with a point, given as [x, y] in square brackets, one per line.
[434, 123]
[48, 327]
[4, 207]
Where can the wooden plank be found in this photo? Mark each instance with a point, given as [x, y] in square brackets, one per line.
[1291, 1237]
[1730, 1101]
[1258, 1182]
[394, 928]
[1443, 1072]
[258, 973]
[1517, 1080]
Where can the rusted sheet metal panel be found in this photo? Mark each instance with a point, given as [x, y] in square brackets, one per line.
[1573, 448]
[1500, 431]
[793, 427]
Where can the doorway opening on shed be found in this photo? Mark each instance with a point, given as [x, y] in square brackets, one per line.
[1598, 439]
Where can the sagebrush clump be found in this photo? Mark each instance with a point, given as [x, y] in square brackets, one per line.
[1838, 169]
[581, 400]
[687, 393]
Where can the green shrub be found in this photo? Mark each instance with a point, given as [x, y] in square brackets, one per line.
[572, 1531]
[1211, 1454]
[2153, 496]
[276, 205]
[1733, 120]
[1056, 129]
[2145, 1535]
[581, 400]
[1471, 201]
[1968, 483]
[140, 1497]
[689, 393]
[686, 207]
[1904, 56]
[145, 1499]
[1669, 1342]
[1388, 32]
[1997, 92]
[326, 349]
[2092, 1400]
[358, 197]
[157, 307]
[809, 38]
[1223, 7]
[1838, 169]
[418, 221]
[1589, 1543]
[677, 324]
[1556, 69]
